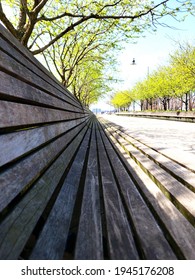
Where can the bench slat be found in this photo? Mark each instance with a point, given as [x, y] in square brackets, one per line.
[19, 224]
[52, 240]
[89, 244]
[19, 64]
[15, 44]
[17, 144]
[151, 239]
[72, 188]
[14, 89]
[182, 174]
[15, 115]
[21, 176]
[119, 234]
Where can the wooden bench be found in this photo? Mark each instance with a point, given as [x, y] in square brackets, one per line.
[67, 189]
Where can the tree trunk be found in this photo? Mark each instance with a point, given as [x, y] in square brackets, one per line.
[151, 104]
[142, 105]
[168, 103]
[190, 102]
[186, 102]
[165, 104]
[147, 104]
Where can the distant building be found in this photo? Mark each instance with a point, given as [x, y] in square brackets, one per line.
[96, 110]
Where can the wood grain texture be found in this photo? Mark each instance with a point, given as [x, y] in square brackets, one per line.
[13, 115]
[13, 88]
[42, 125]
[18, 225]
[151, 239]
[52, 240]
[17, 144]
[89, 245]
[72, 188]
[182, 174]
[8, 37]
[19, 64]
[21, 175]
[119, 233]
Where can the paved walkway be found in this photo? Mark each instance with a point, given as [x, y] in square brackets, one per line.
[172, 138]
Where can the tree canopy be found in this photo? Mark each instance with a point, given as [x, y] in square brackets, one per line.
[33, 18]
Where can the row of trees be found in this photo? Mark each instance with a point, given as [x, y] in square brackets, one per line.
[79, 38]
[170, 87]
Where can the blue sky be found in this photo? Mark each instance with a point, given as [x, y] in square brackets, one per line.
[150, 52]
[153, 50]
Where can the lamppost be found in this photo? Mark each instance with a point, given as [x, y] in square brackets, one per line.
[148, 75]
[133, 63]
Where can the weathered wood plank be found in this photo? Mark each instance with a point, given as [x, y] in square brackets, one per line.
[33, 66]
[12, 88]
[14, 115]
[182, 174]
[151, 239]
[17, 144]
[89, 245]
[43, 126]
[121, 244]
[52, 240]
[22, 175]
[19, 224]
[59, 176]
[7, 36]
[10, 65]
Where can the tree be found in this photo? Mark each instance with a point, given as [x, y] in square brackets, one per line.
[183, 63]
[163, 86]
[33, 18]
[121, 100]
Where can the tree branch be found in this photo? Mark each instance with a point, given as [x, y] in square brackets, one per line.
[92, 16]
[39, 5]
[22, 17]
[60, 35]
[6, 22]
